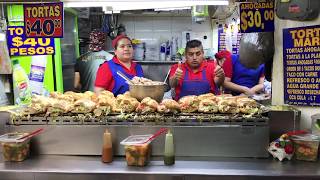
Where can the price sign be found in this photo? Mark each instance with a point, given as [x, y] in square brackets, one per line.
[20, 45]
[43, 20]
[301, 65]
[256, 17]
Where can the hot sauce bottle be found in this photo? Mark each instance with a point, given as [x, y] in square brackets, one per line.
[107, 147]
[169, 158]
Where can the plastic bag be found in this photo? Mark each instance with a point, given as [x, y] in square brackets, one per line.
[5, 62]
[256, 49]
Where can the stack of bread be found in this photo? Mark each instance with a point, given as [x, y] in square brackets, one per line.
[105, 103]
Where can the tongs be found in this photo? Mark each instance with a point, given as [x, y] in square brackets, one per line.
[158, 133]
[33, 133]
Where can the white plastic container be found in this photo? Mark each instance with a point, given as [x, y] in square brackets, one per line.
[163, 47]
[139, 51]
[137, 153]
[315, 125]
[306, 147]
[38, 68]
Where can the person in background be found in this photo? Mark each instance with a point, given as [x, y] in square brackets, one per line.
[107, 77]
[224, 60]
[244, 80]
[196, 76]
[87, 65]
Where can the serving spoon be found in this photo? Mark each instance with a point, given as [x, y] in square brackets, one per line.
[125, 77]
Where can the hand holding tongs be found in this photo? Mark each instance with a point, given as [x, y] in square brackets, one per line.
[221, 89]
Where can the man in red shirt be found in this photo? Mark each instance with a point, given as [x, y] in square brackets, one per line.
[196, 76]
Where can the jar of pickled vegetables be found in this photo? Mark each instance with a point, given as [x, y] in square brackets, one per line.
[14, 149]
[136, 151]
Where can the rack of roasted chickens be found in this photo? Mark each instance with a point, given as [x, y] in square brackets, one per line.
[89, 108]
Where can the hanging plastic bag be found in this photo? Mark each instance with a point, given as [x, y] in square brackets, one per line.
[5, 62]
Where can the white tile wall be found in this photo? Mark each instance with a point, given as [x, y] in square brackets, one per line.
[164, 28]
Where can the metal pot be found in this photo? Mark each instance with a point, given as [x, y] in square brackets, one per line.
[156, 92]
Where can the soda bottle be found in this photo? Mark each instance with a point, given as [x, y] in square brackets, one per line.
[21, 89]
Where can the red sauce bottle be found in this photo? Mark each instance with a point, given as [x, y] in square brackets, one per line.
[107, 153]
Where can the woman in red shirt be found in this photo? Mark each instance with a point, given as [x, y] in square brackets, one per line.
[107, 77]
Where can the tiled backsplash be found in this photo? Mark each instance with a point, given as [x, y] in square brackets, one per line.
[161, 29]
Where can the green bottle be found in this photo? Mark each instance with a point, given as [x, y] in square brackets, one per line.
[21, 89]
[169, 149]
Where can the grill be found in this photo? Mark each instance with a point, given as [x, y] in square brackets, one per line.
[182, 119]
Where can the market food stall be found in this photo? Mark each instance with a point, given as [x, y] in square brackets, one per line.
[214, 136]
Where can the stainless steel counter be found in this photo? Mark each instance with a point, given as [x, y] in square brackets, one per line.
[90, 167]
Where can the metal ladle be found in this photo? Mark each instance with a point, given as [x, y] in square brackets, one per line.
[125, 77]
[165, 79]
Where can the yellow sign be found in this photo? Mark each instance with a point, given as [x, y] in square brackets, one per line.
[20, 45]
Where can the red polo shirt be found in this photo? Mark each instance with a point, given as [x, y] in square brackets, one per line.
[209, 66]
[104, 78]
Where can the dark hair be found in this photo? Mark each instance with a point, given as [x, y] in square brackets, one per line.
[193, 44]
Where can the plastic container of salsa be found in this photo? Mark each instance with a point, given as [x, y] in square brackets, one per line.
[306, 147]
[137, 153]
[14, 149]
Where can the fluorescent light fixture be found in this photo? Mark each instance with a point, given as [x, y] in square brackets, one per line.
[121, 5]
[172, 9]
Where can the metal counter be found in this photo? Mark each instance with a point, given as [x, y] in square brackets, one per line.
[51, 167]
[195, 135]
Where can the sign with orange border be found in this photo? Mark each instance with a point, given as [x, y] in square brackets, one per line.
[43, 20]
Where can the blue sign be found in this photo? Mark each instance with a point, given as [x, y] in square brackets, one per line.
[224, 39]
[20, 45]
[256, 17]
[301, 65]
[221, 39]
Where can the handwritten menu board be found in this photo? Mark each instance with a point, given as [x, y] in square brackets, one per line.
[221, 39]
[229, 38]
[301, 60]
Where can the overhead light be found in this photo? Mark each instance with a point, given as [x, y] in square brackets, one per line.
[109, 10]
[172, 9]
[121, 5]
